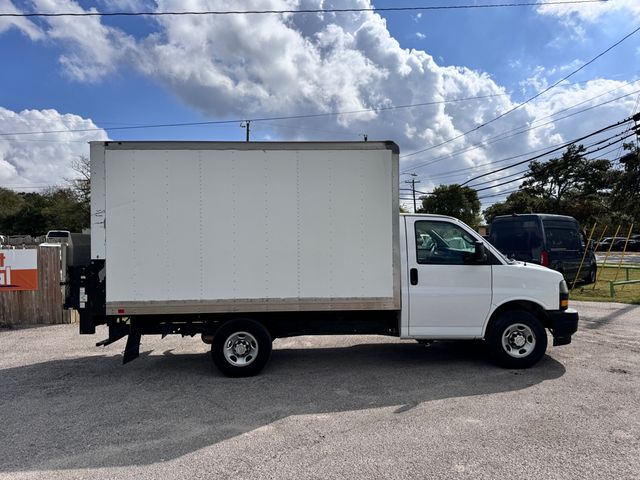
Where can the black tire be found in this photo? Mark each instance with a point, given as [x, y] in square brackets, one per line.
[246, 335]
[512, 326]
[591, 278]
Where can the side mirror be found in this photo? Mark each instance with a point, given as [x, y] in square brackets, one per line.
[480, 254]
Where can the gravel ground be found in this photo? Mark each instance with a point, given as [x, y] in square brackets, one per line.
[325, 407]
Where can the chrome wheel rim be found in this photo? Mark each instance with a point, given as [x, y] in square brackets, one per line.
[518, 340]
[240, 349]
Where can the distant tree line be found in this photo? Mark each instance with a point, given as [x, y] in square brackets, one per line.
[591, 190]
[31, 213]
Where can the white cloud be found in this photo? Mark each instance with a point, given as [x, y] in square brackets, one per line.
[23, 24]
[566, 96]
[244, 66]
[316, 64]
[592, 12]
[126, 5]
[29, 161]
[93, 49]
[421, 35]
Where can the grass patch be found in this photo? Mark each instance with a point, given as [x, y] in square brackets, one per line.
[624, 293]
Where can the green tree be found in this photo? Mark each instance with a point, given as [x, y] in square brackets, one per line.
[569, 185]
[35, 213]
[517, 202]
[10, 203]
[28, 219]
[455, 201]
[80, 185]
[63, 210]
[626, 191]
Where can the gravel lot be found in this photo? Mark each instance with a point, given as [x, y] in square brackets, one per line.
[325, 407]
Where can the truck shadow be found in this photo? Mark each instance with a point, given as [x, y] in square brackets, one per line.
[92, 412]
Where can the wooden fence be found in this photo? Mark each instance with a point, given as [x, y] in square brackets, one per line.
[42, 306]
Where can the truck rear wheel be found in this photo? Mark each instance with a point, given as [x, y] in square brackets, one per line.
[241, 348]
[516, 339]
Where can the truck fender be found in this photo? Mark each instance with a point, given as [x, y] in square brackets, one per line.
[521, 304]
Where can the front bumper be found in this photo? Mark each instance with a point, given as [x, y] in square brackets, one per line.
[563, 324]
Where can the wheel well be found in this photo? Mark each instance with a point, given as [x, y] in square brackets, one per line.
[525, 305]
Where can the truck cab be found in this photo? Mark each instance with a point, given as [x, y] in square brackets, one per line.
[458, 286]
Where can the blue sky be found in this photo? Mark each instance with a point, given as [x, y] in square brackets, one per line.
[127, 71]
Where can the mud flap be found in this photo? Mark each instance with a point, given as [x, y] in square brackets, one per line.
[132, 350]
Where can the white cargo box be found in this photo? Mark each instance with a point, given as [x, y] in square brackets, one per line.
[197, 227]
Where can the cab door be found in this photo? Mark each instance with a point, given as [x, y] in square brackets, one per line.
[449, 292]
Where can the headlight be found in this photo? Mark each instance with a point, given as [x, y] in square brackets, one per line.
[564, 295]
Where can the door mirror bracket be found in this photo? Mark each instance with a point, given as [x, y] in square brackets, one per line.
[480, 253]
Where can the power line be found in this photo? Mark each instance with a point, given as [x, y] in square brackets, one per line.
[525, 154]
[309, 128]
[417, 191]
[500, 184]
[506, 192]
[635, 110]
[609, 127]
[505, 176]
[556, 148]
[457, 172]
[484, 124]
[525, 176]
[259, 119]
[504, 135]
[301, 11]
[602, 155]
[34, 187]
[227, 123]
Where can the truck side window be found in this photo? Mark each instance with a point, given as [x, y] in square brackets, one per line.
[442, 243]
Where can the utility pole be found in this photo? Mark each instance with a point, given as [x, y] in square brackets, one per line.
[247, 125]
[413, 182]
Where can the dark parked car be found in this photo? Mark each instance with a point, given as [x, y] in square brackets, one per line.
[605, 243]
[555, 241]
[633, 245]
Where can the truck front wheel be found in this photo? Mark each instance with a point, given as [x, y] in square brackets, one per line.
[241, 348]
[516, 339]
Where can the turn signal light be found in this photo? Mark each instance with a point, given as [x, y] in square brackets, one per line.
[564, 295]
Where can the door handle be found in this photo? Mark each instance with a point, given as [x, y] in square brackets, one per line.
[413, 276]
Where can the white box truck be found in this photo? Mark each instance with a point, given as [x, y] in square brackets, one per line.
[243, 243]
